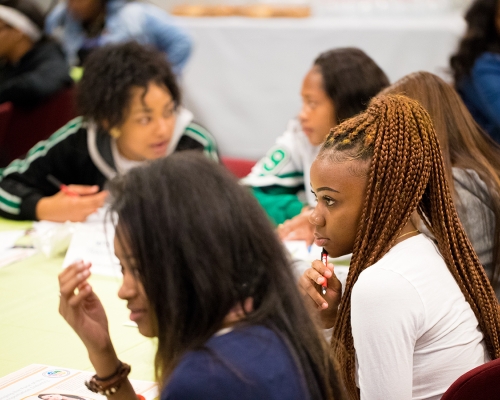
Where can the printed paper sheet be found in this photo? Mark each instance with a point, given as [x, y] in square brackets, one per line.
[38, 381]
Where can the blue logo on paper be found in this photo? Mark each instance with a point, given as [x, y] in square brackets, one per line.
[56, 373]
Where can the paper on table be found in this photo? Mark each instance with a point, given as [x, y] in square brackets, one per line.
[9, 254]
[94, 243]
[9, 238]
[36, 379]
[54, 238]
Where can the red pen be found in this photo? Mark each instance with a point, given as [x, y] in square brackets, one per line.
[62, 187]
[324, 258]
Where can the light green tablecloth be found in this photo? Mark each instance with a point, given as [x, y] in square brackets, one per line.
[7, 225]
[32, 331]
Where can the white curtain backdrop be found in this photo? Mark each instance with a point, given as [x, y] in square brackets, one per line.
[244, 77]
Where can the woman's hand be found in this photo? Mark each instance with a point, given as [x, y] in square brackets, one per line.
[82, 309]
[310, 287]
[63, 207]
[298, 228]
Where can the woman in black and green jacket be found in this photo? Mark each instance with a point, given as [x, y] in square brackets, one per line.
[131, 113]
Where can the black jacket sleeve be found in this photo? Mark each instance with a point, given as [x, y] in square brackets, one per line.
[197, 137]
[64, 155]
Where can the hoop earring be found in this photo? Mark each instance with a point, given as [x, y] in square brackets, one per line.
[115, 132]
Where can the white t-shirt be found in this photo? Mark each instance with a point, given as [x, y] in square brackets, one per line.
[414, 333]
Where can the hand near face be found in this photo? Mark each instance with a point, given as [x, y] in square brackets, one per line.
[298, 228]
[63, 207]
[310, 287]
[82, 309]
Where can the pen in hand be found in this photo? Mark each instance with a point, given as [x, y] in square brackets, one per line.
[324, 258]
[61, 186]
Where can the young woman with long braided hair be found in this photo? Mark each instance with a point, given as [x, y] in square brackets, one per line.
[414, 314]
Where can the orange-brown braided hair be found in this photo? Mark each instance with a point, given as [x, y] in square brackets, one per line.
[406, 174]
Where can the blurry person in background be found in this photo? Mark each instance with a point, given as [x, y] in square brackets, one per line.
[83, 25]
[33, 66]
[476, 65]
[339, 85]
[131, 113]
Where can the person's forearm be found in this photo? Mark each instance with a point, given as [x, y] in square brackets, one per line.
[126, 392]
[105, 364]
[20, 199]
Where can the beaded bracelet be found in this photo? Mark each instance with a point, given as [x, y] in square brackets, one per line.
[110, 384]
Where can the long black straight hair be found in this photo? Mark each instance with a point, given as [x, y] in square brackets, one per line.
[202, 245]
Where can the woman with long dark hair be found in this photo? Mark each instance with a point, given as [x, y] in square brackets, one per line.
[213, 285]
[415, 313]
[471, 161]
[476, 65]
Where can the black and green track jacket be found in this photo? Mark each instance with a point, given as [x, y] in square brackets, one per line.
[79, 154]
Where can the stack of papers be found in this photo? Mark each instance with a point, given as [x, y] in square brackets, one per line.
[94, 243]
[63, 383]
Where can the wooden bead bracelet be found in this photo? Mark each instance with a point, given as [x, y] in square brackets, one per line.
[110, 384]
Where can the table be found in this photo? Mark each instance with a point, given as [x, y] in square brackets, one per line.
[244, 76]
[32, 331]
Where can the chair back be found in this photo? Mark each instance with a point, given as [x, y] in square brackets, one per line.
[238, 166]
[27, 127]
[5, 116]
[482, 382]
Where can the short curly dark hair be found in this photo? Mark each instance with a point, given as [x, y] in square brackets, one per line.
[110, 72]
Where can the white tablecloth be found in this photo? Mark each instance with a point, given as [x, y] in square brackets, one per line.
[244, 77]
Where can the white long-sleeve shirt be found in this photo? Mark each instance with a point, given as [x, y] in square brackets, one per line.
[414, 333]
